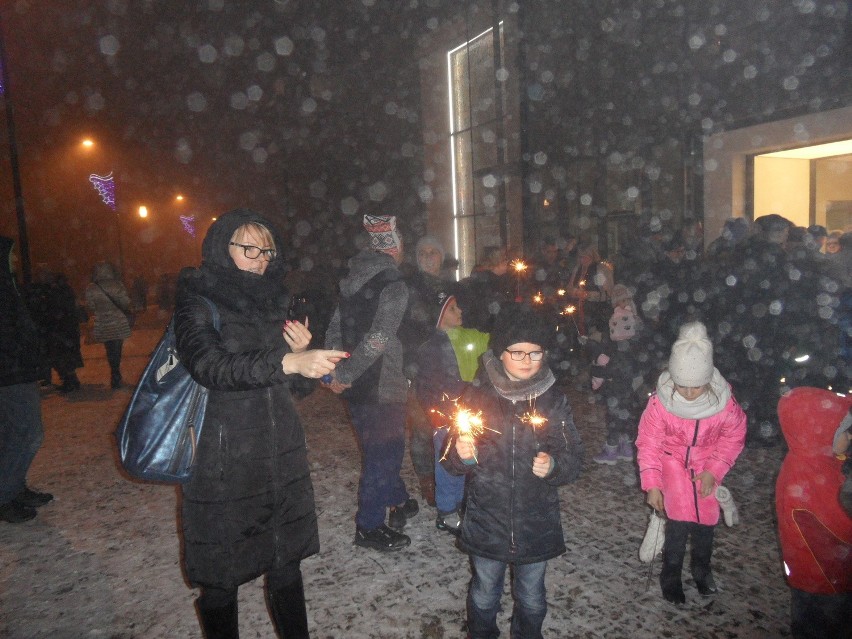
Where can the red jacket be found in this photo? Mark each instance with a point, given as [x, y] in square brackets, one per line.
[815, 531]
[673, 450]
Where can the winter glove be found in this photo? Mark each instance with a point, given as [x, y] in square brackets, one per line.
[654, 538]
[729, 508]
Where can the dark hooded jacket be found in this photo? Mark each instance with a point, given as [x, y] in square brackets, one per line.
[249, 506]
[366, 323]
[19, 341]
[512, 515]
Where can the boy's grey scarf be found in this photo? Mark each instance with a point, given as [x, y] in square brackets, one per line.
[521, 390]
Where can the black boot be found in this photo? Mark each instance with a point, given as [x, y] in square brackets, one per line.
[674, 549]
[220, 622]
[701, 551]
[287, 609]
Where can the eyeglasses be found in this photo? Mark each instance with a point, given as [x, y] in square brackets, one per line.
[518, 356]
[254, 252]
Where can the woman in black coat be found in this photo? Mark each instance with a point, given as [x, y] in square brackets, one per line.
[248, 509]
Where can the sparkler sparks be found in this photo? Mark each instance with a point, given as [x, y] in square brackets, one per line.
[464, 420]
[569, 312]
[519, 266]
[536, 420]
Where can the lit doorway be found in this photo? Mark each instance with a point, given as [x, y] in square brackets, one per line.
[807, 185]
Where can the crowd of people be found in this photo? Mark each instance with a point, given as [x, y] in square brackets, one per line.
[689, 349]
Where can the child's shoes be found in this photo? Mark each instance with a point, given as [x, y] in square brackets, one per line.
[449, 522]
[624, 451]
[608, 455]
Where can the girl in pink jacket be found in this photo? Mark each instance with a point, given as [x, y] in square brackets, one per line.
[691, 433]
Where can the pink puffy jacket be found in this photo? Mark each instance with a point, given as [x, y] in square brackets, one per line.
[673, 450]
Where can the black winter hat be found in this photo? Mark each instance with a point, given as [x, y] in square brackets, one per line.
[518, 323]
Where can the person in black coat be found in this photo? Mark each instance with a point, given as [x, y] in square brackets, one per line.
[53, 306]
[21, 428]
[528, 447]
[248, 509]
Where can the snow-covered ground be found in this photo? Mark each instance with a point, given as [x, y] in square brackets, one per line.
[102, 560]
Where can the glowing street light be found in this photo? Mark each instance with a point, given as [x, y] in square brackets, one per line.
[143, 211]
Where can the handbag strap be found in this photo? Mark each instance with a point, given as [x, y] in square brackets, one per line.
[214, 311]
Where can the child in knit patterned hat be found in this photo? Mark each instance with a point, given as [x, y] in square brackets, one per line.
[620, 366]
[690, 435]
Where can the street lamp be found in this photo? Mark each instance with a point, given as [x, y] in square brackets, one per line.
[143, 211]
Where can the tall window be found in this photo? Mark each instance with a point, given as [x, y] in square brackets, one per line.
[477, 143]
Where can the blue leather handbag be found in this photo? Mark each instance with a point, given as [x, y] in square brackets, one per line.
[158, 433]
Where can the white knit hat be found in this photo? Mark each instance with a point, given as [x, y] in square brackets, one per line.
[691, 361]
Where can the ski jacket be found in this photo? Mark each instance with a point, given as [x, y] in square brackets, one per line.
[108, 301]
[366, 323]
[511, 515]
[673, 450]
[815, 531]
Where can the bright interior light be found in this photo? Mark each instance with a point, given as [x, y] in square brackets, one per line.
[831, 149]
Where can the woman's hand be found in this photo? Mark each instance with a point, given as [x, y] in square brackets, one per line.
[465, 447]
[655, 499]
[313, 363]
[542, 465]
[707, 483]
[297, 335]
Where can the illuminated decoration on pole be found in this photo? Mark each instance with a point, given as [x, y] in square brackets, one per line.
[105, 186]
[188, 222]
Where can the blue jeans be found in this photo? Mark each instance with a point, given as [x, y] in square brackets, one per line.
[381, 434]
[21, 434]
[486, 588]
[449, 489]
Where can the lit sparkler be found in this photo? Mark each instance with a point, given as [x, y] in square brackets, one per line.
[519, 266]
[538, 298]
[569, 312]
[464, 420]
[536, 420]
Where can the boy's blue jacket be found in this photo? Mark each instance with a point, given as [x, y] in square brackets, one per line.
[511, 515]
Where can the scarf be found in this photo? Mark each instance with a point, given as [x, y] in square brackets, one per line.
[516, 390]
[710, 403]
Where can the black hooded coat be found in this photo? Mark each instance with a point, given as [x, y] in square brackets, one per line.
[249, 506]
[19, 341]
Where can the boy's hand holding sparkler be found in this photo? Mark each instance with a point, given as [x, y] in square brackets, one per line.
[466, 448]
[542, 464]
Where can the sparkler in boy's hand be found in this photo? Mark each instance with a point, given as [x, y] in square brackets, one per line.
[468, 425]
[537, 421]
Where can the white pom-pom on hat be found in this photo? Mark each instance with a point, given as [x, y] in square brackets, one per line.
[691, 360]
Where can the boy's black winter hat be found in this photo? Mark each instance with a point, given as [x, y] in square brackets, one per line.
[518, 323]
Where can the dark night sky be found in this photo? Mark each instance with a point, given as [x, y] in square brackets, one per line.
[287, 107]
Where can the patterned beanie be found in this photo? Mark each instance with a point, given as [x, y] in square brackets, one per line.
[691, 361]
[383, 235]
[622, 324]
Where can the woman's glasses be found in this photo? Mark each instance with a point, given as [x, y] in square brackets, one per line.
[535, 356]
[254, 252]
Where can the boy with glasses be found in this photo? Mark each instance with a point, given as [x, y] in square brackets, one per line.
[526, 447]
